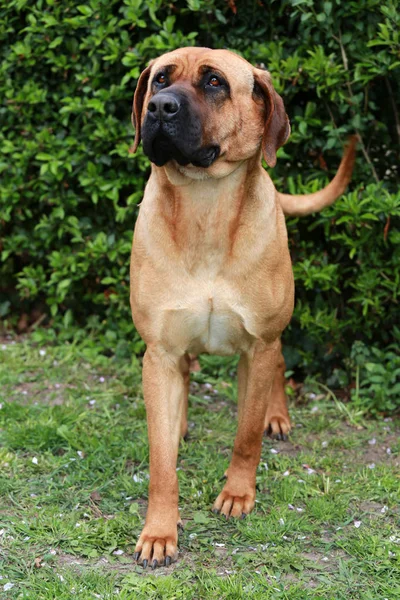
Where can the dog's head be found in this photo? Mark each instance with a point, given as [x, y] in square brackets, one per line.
[205, 108]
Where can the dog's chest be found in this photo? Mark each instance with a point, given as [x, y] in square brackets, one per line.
[208, 317]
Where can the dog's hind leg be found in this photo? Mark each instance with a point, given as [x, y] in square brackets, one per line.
[277, 421]
[185, 368]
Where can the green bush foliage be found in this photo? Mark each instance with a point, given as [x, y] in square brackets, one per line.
[70, 186]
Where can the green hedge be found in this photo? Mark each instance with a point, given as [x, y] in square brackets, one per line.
[70, 187]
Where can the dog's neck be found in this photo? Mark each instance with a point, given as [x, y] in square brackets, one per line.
[215, 185]
[203, 218]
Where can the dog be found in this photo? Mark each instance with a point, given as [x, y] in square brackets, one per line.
[210, 266]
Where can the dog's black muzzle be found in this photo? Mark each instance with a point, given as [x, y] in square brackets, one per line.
[172, 131]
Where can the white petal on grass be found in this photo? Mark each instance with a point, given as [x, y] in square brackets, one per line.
[384, 509]
[357, 524]
[8, 586]
[118, 552]
[35, 460]
[42, 352]
[372, 442]
[273, 451]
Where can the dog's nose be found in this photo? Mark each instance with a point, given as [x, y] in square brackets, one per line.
[163, 106]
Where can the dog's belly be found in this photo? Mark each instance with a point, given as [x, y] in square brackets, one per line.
[213, 324]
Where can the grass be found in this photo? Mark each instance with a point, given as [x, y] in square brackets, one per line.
[73, 490]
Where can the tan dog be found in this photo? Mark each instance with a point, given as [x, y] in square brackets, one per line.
[211, 269]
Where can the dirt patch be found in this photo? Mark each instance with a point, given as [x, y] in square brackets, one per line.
[48, 393]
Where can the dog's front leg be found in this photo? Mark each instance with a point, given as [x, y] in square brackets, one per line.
[164, 396]
[238, 495]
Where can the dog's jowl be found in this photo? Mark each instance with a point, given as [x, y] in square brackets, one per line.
[211, 269]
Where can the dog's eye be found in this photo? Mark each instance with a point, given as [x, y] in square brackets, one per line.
[214, 81]
[161, 78]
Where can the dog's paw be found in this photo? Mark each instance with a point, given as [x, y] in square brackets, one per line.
[157, 547]
[237, 503]
[277, 424]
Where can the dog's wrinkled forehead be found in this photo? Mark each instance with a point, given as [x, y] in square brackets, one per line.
[188, 63]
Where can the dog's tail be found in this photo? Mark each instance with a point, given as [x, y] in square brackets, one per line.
[304, 204]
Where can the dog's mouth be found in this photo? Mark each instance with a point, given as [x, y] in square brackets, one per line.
[163, 149]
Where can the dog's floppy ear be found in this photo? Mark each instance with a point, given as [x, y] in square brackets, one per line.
[137, 105]
[277, 126]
